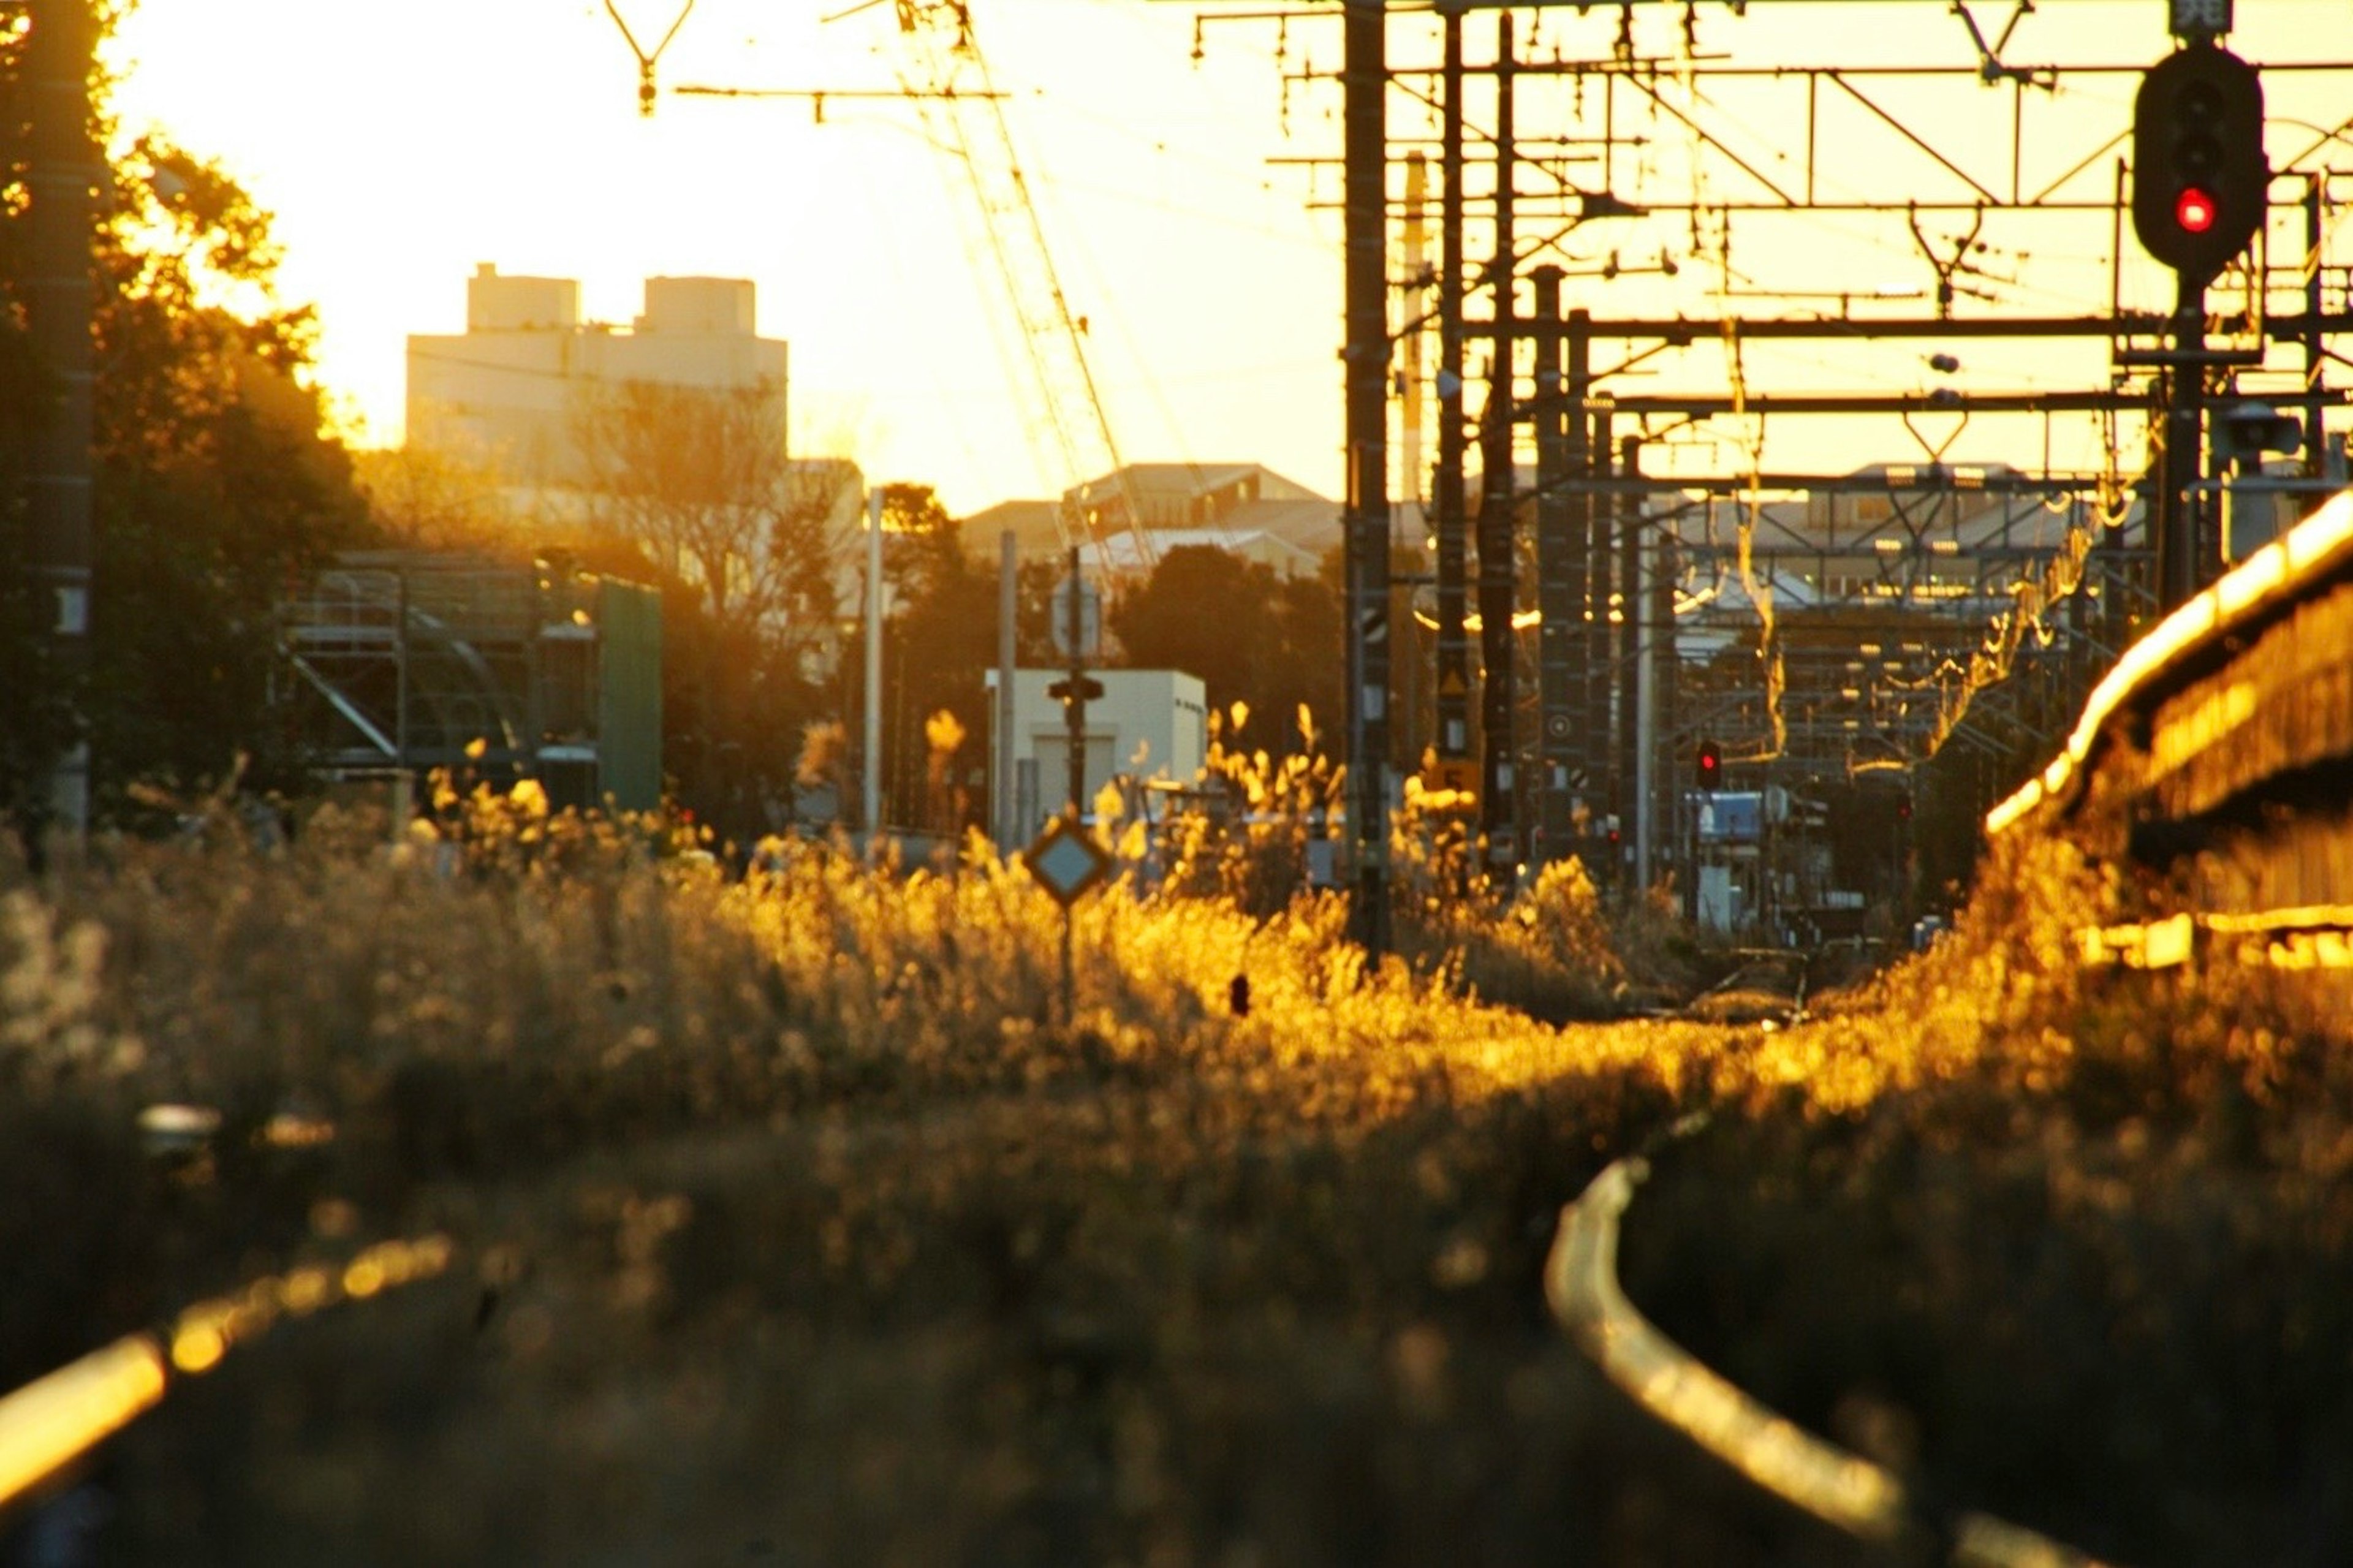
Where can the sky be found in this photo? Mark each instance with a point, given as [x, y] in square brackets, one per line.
[400, 146]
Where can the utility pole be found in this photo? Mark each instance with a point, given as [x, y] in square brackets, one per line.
[1365, 137]
[1074, 697]
[1411, 371]
[1626, 753]
[1626, 659]
[1453, 707]
[59, 296]
[1560, 574]
[871, 774]
[1498, 576]
[1008, 608]
[1589, 431]
[2182, 568]
[1409, 526]
[1642, 616]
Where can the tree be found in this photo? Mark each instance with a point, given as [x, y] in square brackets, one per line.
[427, 501]
[1269, 642]
[215, 483]
[700, 475]
[698, 481]
[939, 643]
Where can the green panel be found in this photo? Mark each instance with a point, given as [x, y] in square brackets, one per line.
[629, 706]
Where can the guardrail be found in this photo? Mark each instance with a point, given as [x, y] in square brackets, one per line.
[1838, 1488]
[54, 1420]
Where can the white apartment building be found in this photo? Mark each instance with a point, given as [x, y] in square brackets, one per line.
[505, 393]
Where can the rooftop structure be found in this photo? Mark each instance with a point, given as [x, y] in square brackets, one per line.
[508, 394]
[1243, 507]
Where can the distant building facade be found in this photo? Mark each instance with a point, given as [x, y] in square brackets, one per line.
[507, 393]
[1245, 508]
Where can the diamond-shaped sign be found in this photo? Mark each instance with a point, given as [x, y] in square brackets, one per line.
[1067, 860]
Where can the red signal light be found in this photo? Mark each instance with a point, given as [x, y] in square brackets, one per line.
[2194, 210]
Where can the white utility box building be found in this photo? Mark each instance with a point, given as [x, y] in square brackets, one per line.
[1148, 724]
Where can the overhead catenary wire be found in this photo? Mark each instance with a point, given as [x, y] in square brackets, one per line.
[648, 58]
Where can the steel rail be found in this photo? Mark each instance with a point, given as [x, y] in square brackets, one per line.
[1838, 1488]
[54, 1420]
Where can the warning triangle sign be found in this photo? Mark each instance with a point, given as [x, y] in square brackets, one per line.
[1452, 685]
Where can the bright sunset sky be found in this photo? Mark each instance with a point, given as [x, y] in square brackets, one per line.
[399, 146]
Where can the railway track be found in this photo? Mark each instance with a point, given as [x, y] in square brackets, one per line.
[51, 1422]
[1768, 986]
[1842, 1488]
[2216, 763]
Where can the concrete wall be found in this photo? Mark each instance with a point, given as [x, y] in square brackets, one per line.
[1149, 724]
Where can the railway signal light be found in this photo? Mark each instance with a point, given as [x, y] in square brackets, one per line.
[2198, 173]
[1711, 767]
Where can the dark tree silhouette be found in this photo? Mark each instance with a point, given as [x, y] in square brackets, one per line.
[216, 484]
[1252, 637]
[942, 639]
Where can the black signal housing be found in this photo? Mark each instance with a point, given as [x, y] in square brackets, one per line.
[2198, 171]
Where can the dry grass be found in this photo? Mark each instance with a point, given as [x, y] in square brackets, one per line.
[803, 1228]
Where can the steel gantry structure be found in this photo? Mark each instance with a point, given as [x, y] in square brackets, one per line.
[1679, 596]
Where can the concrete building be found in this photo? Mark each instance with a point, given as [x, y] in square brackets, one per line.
[507, 393]
[1149, 724]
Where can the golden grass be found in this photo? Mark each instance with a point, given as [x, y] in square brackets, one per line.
[795, 1211]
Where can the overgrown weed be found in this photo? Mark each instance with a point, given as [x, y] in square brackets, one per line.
[808, 1164]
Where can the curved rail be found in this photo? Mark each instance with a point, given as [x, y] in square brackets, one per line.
[1835, 1485]
[54, 1420]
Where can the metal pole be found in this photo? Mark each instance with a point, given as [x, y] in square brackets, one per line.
[1410, 372]
[62, 179]
[1559, 575]
[1642, 612]
[1007, 607]
[1590, 432]
[1074, 706]
[2316, 440]
[1498, 804]
[1453, 707]
[1409, 522]
[872, 772]
[1365, 140]
[404, 778]
[1627, 655]
[2179, 552]
[1662, 663]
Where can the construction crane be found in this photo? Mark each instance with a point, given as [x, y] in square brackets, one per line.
[947, 77]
